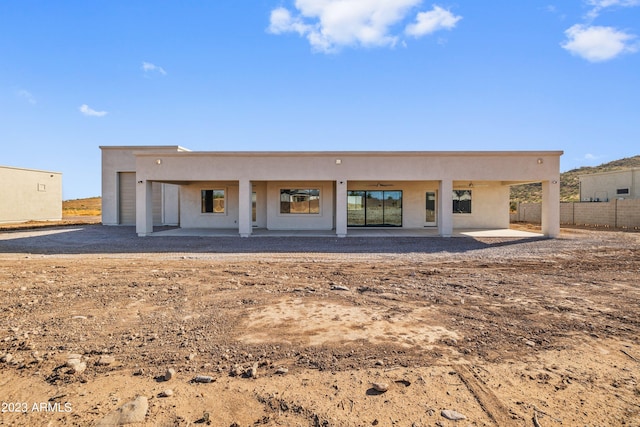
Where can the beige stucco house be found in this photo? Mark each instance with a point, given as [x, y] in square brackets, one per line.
[338, 191]
[606, 186]
[30, 195]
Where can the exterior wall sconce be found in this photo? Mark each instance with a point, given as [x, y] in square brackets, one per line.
[540, 161]
[338, 161]
[159, 162]
[140, 182]
[554, 182]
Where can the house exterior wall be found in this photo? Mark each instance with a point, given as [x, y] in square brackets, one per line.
[490, 209]
[487, 174]
[380, 166]
[30, 195]
[170, 204]
[324, 220]
[191, 215]
[118, 159]
[488, 206]
[602, 187]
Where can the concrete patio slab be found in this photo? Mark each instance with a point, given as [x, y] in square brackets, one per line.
[352, 233]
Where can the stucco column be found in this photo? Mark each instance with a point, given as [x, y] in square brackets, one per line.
[445, 208]
[244, 207]
[341, 208]
[551, 208]
[144, 208]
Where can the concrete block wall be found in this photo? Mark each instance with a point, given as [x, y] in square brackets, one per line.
[528, 212]
[628, 213]
[596, 214]
[567, 213]
[623, 213]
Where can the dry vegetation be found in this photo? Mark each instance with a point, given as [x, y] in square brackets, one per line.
[82, 207]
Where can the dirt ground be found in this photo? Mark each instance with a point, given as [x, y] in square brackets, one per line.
[296, 331]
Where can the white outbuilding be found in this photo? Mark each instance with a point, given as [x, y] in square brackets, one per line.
[611, 185]
[29, 195]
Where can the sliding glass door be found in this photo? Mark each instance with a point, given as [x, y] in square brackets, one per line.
[375, 208]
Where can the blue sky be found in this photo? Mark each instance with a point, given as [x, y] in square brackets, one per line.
[315, 75]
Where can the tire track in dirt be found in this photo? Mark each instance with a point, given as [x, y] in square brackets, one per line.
[488, 401]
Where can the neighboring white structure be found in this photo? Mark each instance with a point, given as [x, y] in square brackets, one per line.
[605, 186]
[149, 186]
[30, 195]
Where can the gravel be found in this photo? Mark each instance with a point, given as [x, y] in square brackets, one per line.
[108, 241]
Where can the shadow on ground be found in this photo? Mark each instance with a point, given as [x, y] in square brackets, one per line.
[96, 239]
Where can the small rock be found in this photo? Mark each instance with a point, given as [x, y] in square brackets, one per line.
[203, 379]
[282, 371]
[105, 360]
[530, 343]
[236, 371]
[72, 361]
[381, 387]
[339, 288]
[379, 363]
[166, 393]
[252, 372]
[76, 366]
[134, 411]
[452, 415]
[8, 357]
[169, 374]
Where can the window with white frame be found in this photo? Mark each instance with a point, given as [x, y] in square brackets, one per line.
[213, 201]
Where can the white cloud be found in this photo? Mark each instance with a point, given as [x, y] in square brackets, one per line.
[597, 44]
[330, 25]
[590, 156]
[27, 96]
[432, 21]
[598, 6]
[149, 68]
[87, 111]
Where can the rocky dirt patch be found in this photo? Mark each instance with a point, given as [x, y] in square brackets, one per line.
[500, 332]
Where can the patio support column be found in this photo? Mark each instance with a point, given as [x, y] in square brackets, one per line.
[341, 208]
[244, 207]
[445, 209]
[144, 208]
[551, 208]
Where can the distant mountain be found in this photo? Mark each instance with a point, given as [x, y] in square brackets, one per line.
[569, 182]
